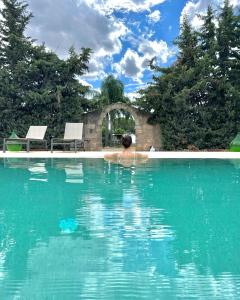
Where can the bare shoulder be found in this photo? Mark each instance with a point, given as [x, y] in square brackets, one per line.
[111, 156]
[142, 156]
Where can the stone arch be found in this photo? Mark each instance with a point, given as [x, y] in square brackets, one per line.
[146, 135]
[118, 106]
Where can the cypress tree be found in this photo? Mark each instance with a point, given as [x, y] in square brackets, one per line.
[227, 85]
[36, 86]
[226, 39]
[14, 45]
[197, 99]
[187, 42]
[207, 37]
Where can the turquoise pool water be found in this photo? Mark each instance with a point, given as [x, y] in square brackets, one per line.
[85, 229]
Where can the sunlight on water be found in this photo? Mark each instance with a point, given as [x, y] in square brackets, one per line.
[86, 229]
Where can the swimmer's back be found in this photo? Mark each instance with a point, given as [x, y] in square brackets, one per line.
[126, 158]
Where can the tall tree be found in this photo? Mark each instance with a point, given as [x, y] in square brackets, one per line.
[36, 86]
[197, 99]
[13, 51]
[187, 44]
[228, 45]
[208, 31]
[207, 37]
[112, 90]
[14, 45]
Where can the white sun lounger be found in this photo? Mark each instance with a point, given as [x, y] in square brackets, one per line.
[73, 135]
[35, 134]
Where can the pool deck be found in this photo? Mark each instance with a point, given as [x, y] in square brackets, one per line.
[100, 154]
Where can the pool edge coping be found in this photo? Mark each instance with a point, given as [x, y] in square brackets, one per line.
[100, 154]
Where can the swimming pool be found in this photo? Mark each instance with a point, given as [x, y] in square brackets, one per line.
[85, 229]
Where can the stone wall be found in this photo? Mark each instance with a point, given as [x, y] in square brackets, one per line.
[146, 135]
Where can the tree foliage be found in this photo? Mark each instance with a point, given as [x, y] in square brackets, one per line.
[197, 99]
[36, 86]
[112, 91]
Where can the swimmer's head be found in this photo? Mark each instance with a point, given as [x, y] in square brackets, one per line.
[126, 141]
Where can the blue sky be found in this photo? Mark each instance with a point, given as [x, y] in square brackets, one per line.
[124, 34]
[160, 24]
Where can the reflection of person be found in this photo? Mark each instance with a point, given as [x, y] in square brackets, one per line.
[127, 157]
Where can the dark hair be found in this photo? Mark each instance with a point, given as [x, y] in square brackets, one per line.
[126, 141]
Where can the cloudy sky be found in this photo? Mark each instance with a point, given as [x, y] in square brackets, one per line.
[124, 34]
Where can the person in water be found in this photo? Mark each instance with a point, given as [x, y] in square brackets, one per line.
[127, 157]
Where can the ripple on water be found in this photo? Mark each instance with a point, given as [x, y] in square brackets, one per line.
[88, 230]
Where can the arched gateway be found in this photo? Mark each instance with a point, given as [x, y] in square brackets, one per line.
[146, 135]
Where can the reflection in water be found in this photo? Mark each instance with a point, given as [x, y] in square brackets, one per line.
[73, 169]
[167, 230]
[38, 172]
[16, 163]
[236, 163]
[128, 159]
[74, 174]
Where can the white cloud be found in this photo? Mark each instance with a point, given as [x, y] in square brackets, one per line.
[133, 95]
[62, 23]
[127, 5]
[133, 64]
[158, 49]
[85, 83]
[155, 16]
[235, 3]
[96, 68]
[193, 8]
[1, 6]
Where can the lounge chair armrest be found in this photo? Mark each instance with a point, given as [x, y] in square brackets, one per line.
[66, 140]
[15, 139]
[53, 139]
[32, 139]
